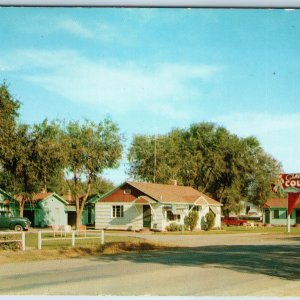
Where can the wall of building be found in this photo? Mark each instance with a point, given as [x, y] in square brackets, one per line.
[132, 219]
[49, 212]
[282, 220]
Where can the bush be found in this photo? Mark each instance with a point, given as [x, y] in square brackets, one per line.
[191, 220]
[7, 243]
[209, 220]
[174, 227]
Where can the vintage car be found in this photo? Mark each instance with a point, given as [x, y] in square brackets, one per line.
[234, 221]
[8, 221]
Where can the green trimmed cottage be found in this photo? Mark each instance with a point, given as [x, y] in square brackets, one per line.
[46, 209]
[275, 212]
[8, 203]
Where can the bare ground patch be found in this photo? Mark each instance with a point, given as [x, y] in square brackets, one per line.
[8, 256]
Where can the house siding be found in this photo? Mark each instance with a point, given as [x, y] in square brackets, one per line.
[49, 212]
[282, 220]
[132, 219]
[133, 209]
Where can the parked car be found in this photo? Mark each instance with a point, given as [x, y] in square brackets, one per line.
[234, 221]
[8, 221]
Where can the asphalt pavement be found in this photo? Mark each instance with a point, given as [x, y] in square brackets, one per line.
[226, 265]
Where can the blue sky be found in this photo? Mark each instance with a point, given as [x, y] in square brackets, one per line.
[151, 70]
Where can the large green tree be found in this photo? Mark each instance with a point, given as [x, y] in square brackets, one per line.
[90, 149]
[8, 121]
[49, 155]
[22, 167]
[209, 158]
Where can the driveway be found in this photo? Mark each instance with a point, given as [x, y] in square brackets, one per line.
[253, 238]
[267, 266]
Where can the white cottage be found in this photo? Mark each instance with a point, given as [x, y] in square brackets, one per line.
[137, 205]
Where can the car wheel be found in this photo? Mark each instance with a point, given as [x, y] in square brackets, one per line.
[18, 227]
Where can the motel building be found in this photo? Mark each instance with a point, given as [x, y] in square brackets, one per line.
[275, 212]
[139, 205]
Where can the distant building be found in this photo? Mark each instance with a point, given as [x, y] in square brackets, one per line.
[275, 212]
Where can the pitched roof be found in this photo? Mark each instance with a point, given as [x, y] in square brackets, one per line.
[172, 193]
[6, 195]
[91, 198]
[279, 202]
[41, 196]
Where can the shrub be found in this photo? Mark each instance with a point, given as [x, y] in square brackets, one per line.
[174, 227]
[209, 220]
[191, 220]
[7, 243]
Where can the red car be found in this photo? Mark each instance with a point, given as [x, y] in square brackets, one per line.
[234, 221]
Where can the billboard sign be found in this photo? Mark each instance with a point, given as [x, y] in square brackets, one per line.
[289, 183]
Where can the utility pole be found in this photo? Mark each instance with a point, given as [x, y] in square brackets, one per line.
[154, 171]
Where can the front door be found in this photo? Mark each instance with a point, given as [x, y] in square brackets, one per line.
[146, 216]
[267, 216]
[297, 216]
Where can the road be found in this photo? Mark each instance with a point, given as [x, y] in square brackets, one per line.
[231, 265]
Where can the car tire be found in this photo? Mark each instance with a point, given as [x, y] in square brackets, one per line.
[18, 227]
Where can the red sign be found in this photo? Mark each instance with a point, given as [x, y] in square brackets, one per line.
[289, 183]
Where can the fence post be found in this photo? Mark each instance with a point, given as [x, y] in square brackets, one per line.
[23, 241]
[73, 238]
[39, 239]
[102, 237]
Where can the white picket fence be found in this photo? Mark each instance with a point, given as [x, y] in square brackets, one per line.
[21, 239]
[75, 236]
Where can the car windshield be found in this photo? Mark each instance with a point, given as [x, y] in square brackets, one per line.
[6, 214]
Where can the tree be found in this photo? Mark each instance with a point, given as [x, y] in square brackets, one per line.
[90, 149]
[191, 220]
[22, 167]
[210, 159]
[209, 220]
[8, 115]
[49, 155]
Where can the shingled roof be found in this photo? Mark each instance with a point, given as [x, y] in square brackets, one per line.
[41, 196]
[279, 203]
[166, 193]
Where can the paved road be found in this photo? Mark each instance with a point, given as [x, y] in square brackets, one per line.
[267, 266]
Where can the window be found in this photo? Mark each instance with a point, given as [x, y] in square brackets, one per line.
[276, 213]
[127, 191]
[172, 217]
[118, 211]
[280, 214]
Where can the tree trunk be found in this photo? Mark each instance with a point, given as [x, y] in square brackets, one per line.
[80, 207]
[78, 220]
[22, 205]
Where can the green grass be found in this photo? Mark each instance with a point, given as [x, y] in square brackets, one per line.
[237, 229]
[59, 242]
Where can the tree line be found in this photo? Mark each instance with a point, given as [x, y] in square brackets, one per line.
[58, 156]
[55, 156]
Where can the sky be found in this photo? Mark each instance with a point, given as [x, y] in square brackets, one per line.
[156, 69]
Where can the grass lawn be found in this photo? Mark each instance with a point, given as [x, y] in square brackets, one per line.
[238, 229]
[61, 248]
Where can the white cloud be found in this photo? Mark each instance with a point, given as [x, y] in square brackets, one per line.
[246, 124]
[74, 27]
[98, 31]
[113, 86]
